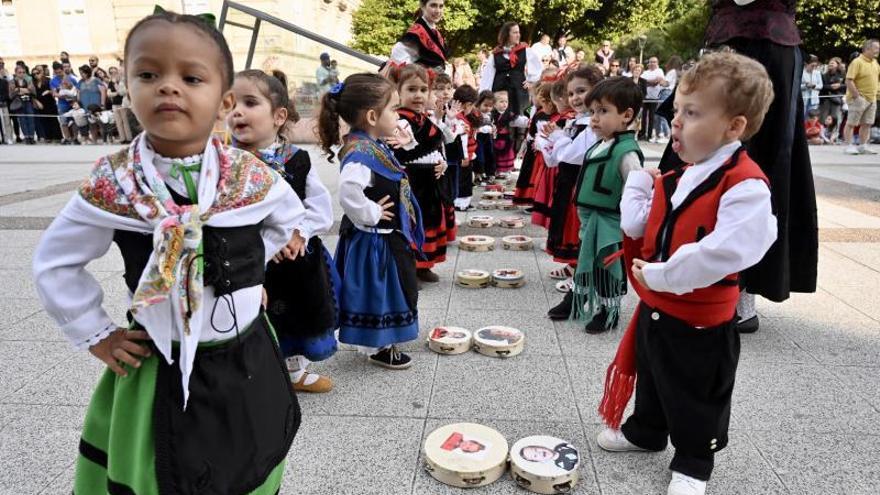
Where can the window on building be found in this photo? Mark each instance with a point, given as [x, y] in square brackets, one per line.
[195, 7]
[75, 34]
[10, 40]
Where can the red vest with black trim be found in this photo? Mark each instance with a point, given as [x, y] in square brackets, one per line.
[433, 51]
[668, 229]
[471, 134]
[428, 138]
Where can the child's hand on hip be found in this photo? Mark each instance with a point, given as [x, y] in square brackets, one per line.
[638, 272]
[120, 347]
[295, 247]
[386, 205]
[439, 169]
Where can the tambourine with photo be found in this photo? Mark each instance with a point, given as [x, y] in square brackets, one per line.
[473, 279]
[465, 455]
[492, 194]
[498, 341]
[450, 340]
[544, 464]
[512, 222]
[481, 221]
[477, 243]
[487, 204]
[517, 243]
[494, 188]
[508, 278]
[506, 205]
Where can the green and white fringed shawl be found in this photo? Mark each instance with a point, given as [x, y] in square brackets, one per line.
[598, 270]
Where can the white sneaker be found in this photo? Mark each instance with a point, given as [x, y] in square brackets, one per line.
[685, 485]
[652, 140]
[564, 286]
[864, 150]
[614, 441]
[852, 150]
[662, 139]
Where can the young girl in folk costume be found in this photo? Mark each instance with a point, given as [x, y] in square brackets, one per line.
[544, 109]
[425, 166]
[546, 181]
[301, 281]
[503, 120]
[382, 220]
[466, 96]
[564, 150]
[196, 397]
[422, 43]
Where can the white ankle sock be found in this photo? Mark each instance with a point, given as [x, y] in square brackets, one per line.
[297, 367]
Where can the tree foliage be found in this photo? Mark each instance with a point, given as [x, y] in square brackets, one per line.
[832, 28]
[829, 27]
[378, 24]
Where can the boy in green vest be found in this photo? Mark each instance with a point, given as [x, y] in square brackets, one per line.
[600, 279]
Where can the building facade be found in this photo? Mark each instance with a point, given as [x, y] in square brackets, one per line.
[36, 31]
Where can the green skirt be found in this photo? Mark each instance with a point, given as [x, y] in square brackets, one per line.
[233, 436]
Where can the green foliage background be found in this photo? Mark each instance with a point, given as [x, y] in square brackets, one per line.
[829, 27]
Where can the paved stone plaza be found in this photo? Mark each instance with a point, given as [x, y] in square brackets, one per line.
[806, 411]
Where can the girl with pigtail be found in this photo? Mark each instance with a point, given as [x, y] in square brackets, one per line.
[382, 221]
[301, 281]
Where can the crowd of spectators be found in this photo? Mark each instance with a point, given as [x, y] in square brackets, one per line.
[60, 103]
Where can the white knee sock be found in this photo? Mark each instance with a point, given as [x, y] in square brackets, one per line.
[746, 307]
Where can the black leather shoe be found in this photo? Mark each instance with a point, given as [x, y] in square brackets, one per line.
[562, 310]
[598, 323]
[748, 326]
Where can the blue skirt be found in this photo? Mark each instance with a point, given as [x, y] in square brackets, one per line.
[303, 306]
[379, 293]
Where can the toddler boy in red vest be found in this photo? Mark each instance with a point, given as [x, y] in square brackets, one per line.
[688, 234]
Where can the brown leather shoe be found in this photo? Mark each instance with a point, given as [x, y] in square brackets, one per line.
[320, 386]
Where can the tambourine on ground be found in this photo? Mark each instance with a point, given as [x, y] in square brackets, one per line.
[472, 278]
[450, 340]
[508, 278]
[512, 222]
[487, 204]
[517, 243]
[544, 464]
[481, 221]
[477, 243]
[499, 341]
[465, 455]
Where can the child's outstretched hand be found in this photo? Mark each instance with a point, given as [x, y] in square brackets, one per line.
[439, 169]
[549, 128]
[454, 107]
[638, 274]
[401, 138]
[386, 205]
[120, 347]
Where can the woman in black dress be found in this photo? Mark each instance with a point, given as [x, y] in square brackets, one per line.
[765, 30]
[46, 123]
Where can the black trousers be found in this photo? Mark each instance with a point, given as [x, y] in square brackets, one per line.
[683, 391]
